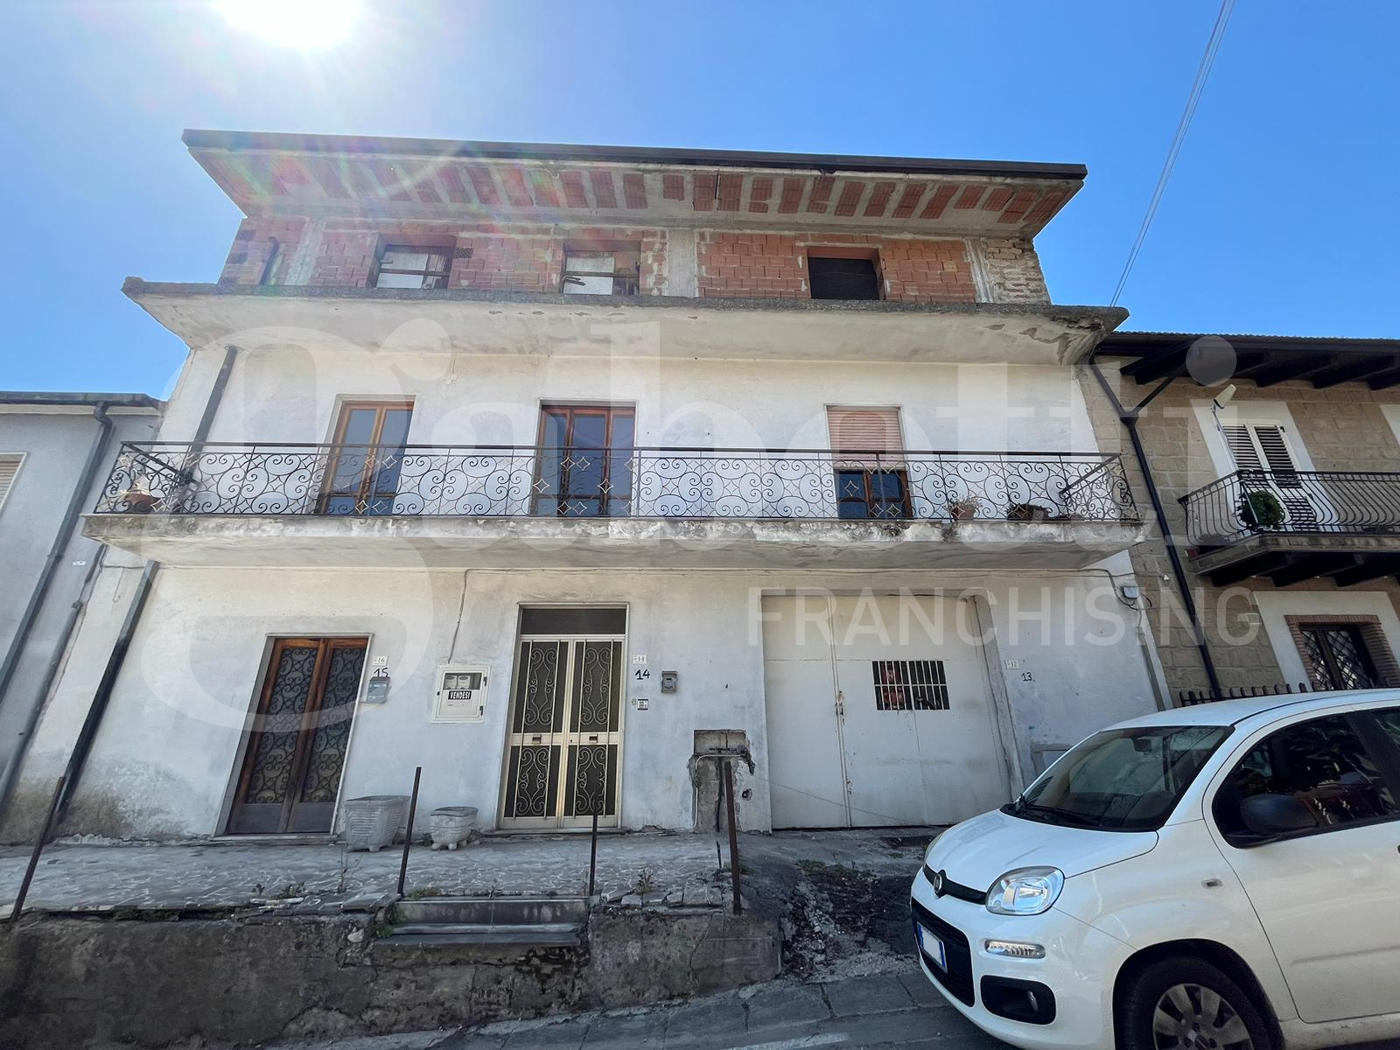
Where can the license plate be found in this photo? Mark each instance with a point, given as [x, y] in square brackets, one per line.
[932, 945]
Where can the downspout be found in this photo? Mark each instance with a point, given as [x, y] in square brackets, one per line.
[1129, 419]
[88, 733]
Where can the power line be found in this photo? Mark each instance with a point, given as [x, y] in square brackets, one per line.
[1217, 34]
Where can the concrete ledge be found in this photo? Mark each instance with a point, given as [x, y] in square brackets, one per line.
[452, 542]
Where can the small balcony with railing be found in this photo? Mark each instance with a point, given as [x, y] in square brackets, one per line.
[1295, 525]
[510, 506]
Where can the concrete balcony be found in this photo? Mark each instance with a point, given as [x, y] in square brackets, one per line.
[516, 507]
[1296, 525]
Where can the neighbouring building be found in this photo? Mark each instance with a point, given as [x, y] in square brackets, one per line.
[56, 454]
[1277, 463]
[568, 472]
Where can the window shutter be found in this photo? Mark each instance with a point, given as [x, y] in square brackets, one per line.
[864, 429]
[1274, 447]
[1241, 446]
[9, 467]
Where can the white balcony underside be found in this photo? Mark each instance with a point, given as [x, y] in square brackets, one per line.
[497, 543]
[466, 321]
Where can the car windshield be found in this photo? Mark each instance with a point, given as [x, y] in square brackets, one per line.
[1120, 779]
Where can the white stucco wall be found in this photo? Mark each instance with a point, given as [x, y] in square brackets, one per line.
[162, 764]
[293, 395]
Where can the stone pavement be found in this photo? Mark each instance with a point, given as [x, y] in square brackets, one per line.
[894, 1009]
[231, 874]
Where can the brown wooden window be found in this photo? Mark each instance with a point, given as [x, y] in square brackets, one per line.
[362, 469]
[868, 460]
[601, 270]
[414, 266]
[585, 461]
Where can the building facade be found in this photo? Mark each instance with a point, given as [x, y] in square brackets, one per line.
[56, 453]
[1277, 463]
[568, 473]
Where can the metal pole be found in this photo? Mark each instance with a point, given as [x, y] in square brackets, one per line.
[593, 855]
[38, 848]
[408, 835]
[733, 833]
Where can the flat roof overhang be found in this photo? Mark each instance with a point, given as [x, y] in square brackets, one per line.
[1265, 360]
[1287, 559]
[548, 183]
[463, 543]
[604, 326]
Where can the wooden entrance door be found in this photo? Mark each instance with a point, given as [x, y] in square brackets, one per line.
[565, 733]
[291, 769]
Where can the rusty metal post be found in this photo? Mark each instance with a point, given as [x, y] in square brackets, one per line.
[593, 855]
[733, 833]
[408, 834]
[38, 848]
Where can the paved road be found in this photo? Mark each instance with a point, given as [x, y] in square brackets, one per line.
[899, 1009]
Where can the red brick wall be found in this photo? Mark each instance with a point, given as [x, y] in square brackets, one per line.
[766, 265]
[253, 244]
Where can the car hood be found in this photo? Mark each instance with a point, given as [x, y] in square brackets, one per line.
[979, 851]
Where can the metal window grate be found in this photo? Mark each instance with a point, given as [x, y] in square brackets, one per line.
[909, 685]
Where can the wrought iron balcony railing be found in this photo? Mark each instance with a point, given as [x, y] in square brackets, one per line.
[1255, 502]
[505, 481]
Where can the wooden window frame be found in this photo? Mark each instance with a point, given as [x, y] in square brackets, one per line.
[905, 504]
[612, 413]
[382, 408]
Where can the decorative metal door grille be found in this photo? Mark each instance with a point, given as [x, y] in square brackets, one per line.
[910, 685]
[292, 766]
[565, 733]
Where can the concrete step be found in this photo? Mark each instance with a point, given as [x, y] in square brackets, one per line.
[481, 935]
[493, 911]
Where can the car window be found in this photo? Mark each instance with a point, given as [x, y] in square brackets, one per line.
[1321, 763]
[1389, 722]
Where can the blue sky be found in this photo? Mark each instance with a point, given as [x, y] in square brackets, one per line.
[1281, 217]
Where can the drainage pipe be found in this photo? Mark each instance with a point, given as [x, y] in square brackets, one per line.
[1129, 419]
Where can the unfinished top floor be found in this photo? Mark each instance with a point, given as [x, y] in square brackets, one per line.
[388, 213]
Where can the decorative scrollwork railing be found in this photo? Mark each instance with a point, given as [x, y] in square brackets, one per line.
[1295, 502]
[506, 481]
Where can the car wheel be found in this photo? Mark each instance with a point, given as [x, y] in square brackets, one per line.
[1188, 1004]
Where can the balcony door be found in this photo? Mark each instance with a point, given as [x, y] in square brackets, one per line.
[870, 474]
[362, 471]
[584, 469]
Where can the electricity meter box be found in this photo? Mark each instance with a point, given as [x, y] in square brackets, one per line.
[461, 693]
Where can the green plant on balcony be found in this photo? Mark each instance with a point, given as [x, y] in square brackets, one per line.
[1262, 510]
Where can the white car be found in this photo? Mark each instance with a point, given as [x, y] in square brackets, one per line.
[1222, 877]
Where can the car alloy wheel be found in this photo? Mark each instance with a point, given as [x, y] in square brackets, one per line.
[1194, 1017]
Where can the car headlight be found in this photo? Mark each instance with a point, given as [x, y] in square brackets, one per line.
[1025, 891]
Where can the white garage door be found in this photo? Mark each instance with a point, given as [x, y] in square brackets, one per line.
[873, 719]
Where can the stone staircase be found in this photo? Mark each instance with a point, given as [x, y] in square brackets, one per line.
[504, 924]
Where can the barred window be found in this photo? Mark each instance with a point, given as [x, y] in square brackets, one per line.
[910, 685]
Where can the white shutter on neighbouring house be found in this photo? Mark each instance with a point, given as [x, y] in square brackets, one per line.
[9, 467]
[1264, 447]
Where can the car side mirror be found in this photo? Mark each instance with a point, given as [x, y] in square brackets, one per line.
[1272, 815]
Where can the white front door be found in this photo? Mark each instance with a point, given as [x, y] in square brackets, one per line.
[873, 719]
[1327, 899]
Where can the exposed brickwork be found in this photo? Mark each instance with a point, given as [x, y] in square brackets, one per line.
[254, 243]
[514, 258]
[1013, 272]
[1342, 429]
[774, 266]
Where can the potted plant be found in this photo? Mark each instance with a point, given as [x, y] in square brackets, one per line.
[1026, 512]
[1261, 510]
[138, 500]
[965, 508]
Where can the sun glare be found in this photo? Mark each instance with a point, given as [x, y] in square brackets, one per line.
[307, 24]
